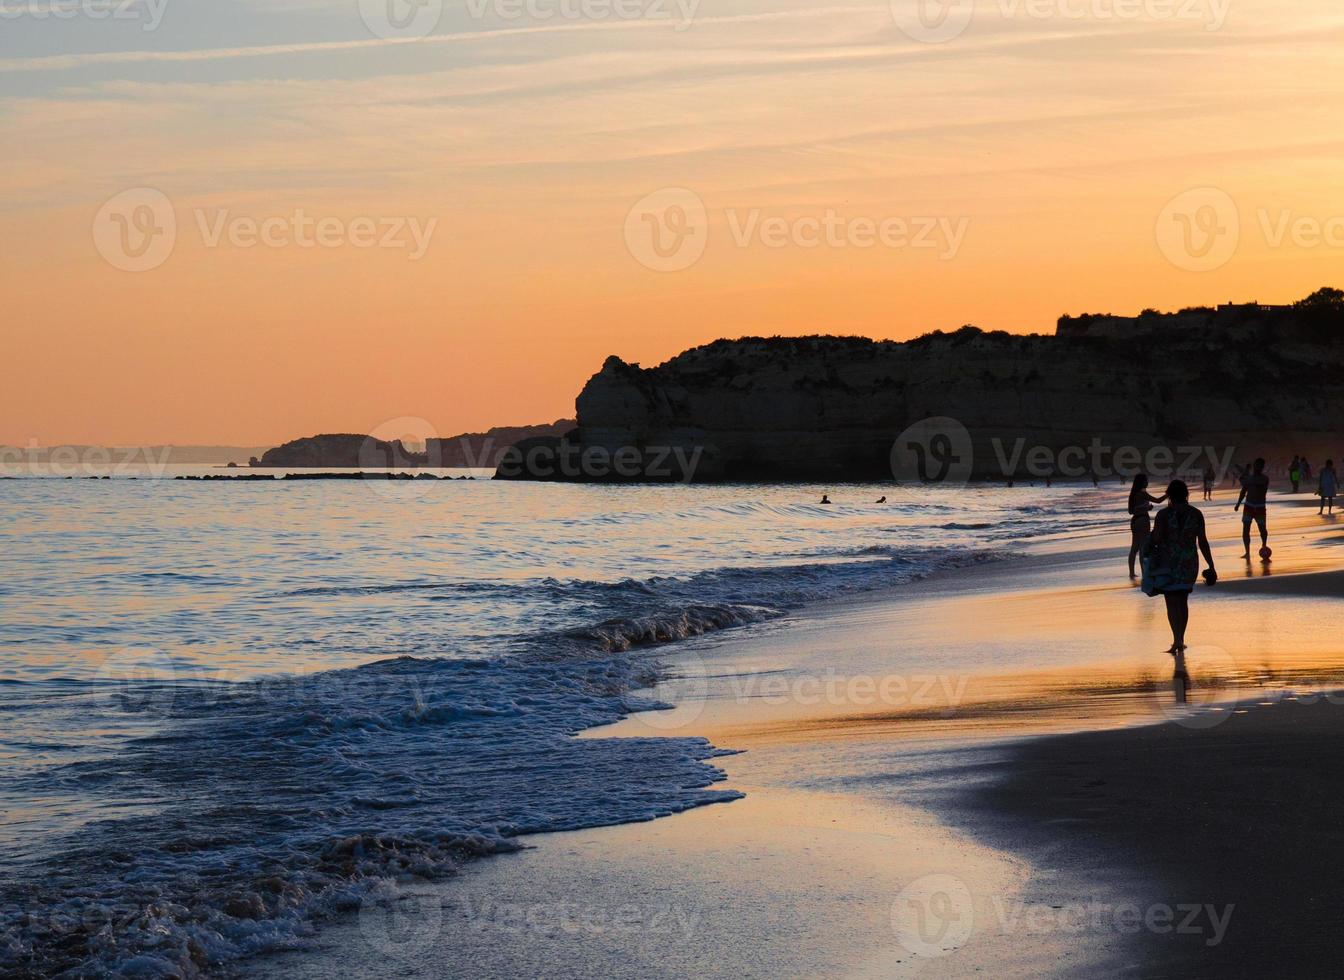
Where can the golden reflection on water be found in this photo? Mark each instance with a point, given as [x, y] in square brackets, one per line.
[1033, 703]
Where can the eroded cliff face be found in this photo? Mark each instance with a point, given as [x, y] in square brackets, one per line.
[829, 408]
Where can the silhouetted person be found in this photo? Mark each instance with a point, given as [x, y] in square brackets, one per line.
[1209, 478]
[1140, 524]
[881, 500]
[1171, 564]
[1295, 473]
[1254, 491]
[825, 499]
[1327, 487]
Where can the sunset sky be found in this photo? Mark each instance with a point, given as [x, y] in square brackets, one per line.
[1050, 136]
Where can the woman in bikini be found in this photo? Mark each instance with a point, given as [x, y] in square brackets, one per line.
[1140, 523]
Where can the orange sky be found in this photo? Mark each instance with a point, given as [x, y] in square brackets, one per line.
[1053, 141]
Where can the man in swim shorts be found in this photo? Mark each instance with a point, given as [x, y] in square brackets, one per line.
[1254, 490]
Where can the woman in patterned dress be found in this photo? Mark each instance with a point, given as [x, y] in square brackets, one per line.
[1172, 559]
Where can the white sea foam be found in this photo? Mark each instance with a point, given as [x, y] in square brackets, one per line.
[167, 825]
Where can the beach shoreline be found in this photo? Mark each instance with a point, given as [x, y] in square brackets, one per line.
[853, 812]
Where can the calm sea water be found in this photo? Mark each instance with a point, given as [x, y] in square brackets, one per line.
[230, 708]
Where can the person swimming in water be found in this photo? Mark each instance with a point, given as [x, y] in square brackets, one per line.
[825, 499]
[1140, 523]
[881, 500]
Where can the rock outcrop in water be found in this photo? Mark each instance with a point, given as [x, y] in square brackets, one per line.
[349, 451]
[1242, 380]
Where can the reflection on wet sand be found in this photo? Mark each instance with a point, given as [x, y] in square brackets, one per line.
[1035, 704]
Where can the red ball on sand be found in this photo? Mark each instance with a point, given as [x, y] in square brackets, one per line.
[1266, 551]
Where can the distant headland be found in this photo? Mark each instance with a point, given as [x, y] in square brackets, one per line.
[1245, 378]
[349, 451]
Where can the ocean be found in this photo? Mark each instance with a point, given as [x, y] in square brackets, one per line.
[232, 710]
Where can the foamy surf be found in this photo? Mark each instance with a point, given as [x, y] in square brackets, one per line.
[191, 818]
[274, 804]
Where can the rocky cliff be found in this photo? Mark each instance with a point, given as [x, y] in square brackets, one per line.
[1264, 380]
[347, 451]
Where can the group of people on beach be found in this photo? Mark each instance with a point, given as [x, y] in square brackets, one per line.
[1169, 547]
[1300, 471]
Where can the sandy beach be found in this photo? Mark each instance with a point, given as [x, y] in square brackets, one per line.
[1059, 815]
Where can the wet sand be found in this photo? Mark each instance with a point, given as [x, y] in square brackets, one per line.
[1233, 828]
[985, 773]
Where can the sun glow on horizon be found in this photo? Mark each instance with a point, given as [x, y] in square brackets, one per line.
[844, 177]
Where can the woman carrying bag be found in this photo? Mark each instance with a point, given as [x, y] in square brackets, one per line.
[1171, 561]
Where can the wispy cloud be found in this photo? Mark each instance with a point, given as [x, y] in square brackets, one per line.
[87, 59]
